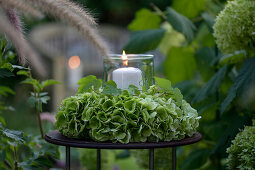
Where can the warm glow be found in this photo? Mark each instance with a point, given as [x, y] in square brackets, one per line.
[124, 58]
[74, 62]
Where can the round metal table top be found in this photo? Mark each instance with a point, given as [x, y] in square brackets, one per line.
[55, 137]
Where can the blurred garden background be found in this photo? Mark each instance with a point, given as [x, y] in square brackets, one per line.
[212, 64]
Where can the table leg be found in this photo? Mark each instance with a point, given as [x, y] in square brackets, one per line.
[67, 157]
[151, 159]
[174, 158]
[98, 159]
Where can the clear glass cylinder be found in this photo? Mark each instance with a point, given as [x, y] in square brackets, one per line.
[136, 69]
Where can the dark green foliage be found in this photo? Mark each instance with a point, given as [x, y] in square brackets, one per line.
[196, 159]
[180, 64]
[181, 23]
[87, 82]
[215, 83]
[245, 77]
[37, 97]
[17, 149]
[39, 153]
[145, 19]
[4, 72]
[192, 8]
[110, 88]
[212, 85]
[143, 41]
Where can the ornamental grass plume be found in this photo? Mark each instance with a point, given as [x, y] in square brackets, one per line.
[21, 6]
[21, 45]
[65, 10]
[15, 21]
[234, 28]
[55, 8]
[79, 11]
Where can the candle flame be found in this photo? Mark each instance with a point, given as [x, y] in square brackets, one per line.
[74, 62]
[124, 58]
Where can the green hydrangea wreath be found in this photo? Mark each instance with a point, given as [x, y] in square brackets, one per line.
[110, 114]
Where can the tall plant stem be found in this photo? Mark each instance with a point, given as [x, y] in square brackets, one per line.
[217, 117]
[7, 163]
[38, 115]
[16, 159]
[37, 110]
[40, 122]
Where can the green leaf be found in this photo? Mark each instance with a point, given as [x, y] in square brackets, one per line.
[35, 83]
[23, 73]
[235, 58]
[210, 21]
[211, 86]
[2, 156]
[181, 23]
[163, 83]
[2, 121]
[205, 58]
[94, 123]
[32, 101]
[44, 99]
[130, 106]
[133, 90]
[7, 66]
[143, 41]
[234, 123]
[88, 82]
[42, 162]
[196, 159]
[204, 37]
[246, 75]
[180, 64]
[14, 135]
[145, 19]
[110, 88]
[48, 83]
[172, 38]
[4, 90]
[107, 104]
[4, 72]
[161, 112]
[189, 8]
[120, 136]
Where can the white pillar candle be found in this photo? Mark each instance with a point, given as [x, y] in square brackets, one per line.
[126, 76]
[74, 75]
[74, 71]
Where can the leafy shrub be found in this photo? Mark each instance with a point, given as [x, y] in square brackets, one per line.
[242, 151]
[107, 113]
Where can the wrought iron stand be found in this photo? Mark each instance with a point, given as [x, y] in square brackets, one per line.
[56, 138]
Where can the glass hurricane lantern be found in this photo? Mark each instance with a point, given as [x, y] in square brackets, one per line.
[130, 69]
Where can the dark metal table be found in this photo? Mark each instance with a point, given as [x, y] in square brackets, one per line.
[56, 138]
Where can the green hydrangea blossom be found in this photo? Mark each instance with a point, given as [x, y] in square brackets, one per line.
[129, 116]
[242, 151]
[234, 28]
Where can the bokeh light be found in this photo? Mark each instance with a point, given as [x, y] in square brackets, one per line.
[74, 62]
